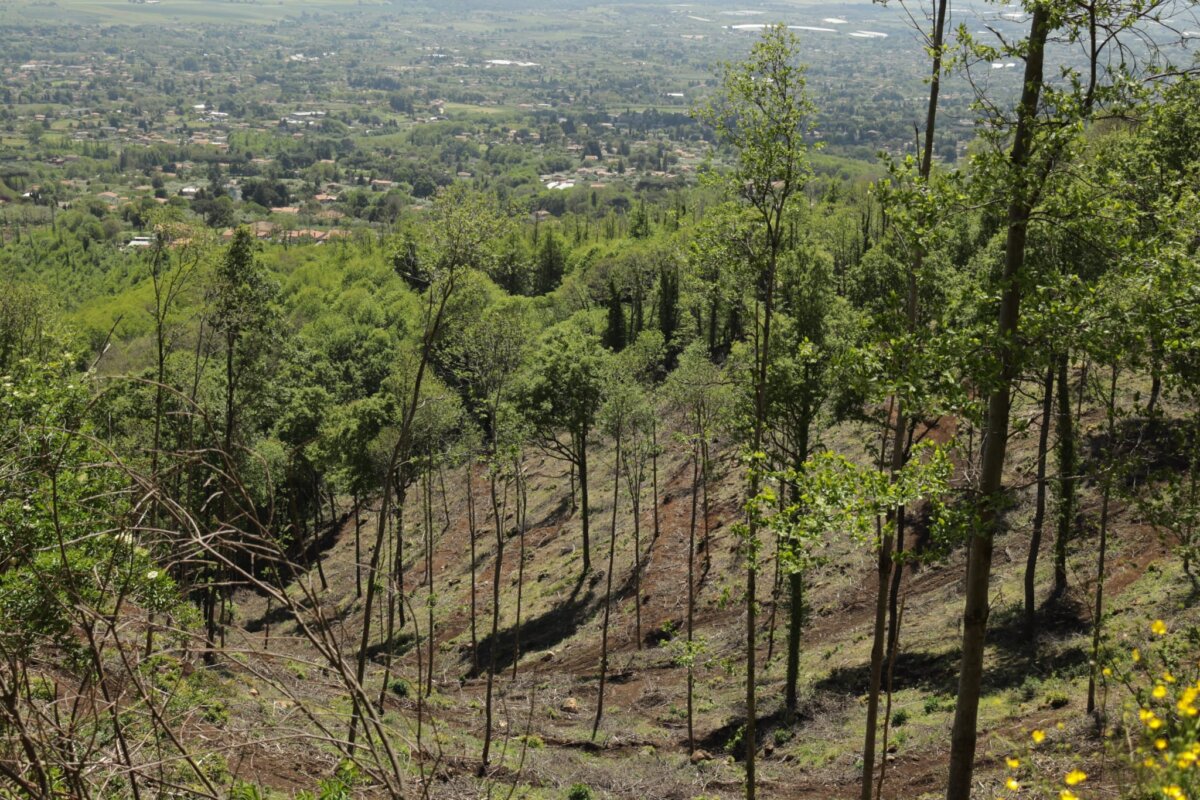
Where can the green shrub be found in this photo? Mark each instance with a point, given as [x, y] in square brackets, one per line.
[580, 791]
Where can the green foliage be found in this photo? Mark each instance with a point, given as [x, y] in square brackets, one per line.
[580, 791]
[564, 384]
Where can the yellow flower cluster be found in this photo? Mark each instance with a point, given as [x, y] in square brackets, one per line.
[1169, 716]
[1168, 709]
[1072, 778]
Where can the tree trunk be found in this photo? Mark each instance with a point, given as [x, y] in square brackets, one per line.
[636, 500]
[1066, 478]
[522, 510]
[795, 617]
[654, 469]
[691, 599]
[585, 515]
[498, 515]
[979, 565]
[431, 597]
[358, 590]
[884, 568]
[395, 595]
[795, 600]
[1098, 613]
[1039, 515]
[612, 549]
[884, 573]
[471, 532]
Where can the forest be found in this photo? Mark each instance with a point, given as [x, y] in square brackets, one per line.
[782, 476]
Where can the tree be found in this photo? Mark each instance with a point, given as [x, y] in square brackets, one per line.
[614, 330]
[551, 263]
[463, 229]
[763, 112]
[562, 393]
[697, 388]
[796, 391]
[641, 361]
[1039, 136]
[668, 302]
[624, 407]
[486, 355]
[240, 301]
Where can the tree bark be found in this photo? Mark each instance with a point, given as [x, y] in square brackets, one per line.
[1039, 515]
[612, 549]
[1098, 613]
[585, 515]
[498, 515]
[1066, 478]
[691, 600]
[471, 532]
[979, 564]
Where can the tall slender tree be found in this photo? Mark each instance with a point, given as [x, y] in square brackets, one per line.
[763, 112]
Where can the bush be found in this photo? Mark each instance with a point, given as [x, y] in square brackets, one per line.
[580, 791]
[935, 703]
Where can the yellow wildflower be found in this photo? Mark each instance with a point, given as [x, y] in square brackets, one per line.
[1067, 794]
[1012, 785]
[1136, 655]
[1158, 627]
[1106, 672]
[1038, 736]
[1186, 700]
[1075, 777]
[1159, 692]
[1168, 677]
[1013, 763]
[1174, 792]
[1160, 743]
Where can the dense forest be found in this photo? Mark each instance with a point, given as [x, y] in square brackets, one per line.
[787, 481]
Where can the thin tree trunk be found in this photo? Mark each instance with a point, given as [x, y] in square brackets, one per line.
[979, 566]
[795, 606]
[612, 549]
[776, 588]
[654, 468]
[431, 597]
[585, 515]
[498, 516]
[1098, 613]
[636, 475]
[893, 649]
[691, 599]
[522, 510]
[395, 594]
[358, 590]
[1039, 515]
[1066, 478]
[471, 532]
[884, 567]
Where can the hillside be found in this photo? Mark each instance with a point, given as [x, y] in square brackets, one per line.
[641, 750]
[409, 402]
